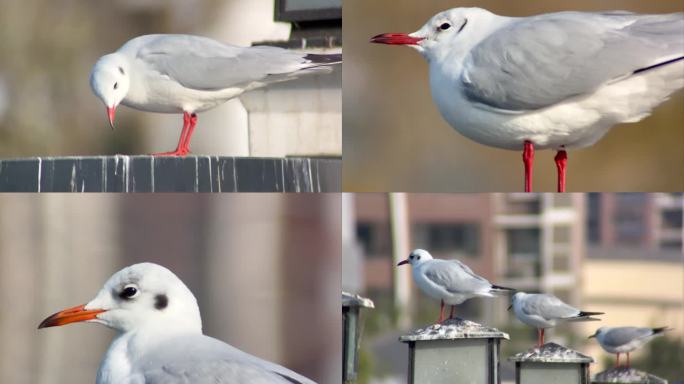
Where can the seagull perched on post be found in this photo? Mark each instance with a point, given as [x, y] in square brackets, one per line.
[542, 310]
[625, 339]
[552, 81]
[449, 281]
[159, 335]
[191, 74]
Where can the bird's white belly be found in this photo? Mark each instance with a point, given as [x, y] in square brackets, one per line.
[164, 96]
[628, 347]
[437, 292]
[575, 123]
[534, 320]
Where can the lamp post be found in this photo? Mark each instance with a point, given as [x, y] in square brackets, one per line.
[351, 333]
[551, 363]
[456, 351]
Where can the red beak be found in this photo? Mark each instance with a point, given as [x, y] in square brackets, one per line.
[403, 262]
[70, 315]
[111, 111]
[396, 39]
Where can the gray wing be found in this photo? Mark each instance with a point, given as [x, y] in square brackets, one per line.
[205, 64]
[548, 306]
[623, 335]
[542, 60]
[455, 276]
[201, 359]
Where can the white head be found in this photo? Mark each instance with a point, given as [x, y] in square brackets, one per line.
[143, 295]
[457, 29]
[416, 257]
[599, 332]
[110, 81]
[516, 297]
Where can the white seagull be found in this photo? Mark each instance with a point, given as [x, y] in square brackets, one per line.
[542, 311]
[625, 339]
[160, 338]
[551, 81]
[189, 74]
[449, 281]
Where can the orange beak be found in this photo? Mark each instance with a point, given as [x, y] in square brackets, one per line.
[111, 111]
[70, 315]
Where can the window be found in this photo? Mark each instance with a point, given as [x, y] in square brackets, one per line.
[461, 238]
[630, 227]
[523, 247]
[375, 238]
[594, 218]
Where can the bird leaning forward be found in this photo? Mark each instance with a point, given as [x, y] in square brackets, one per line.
[189, 74]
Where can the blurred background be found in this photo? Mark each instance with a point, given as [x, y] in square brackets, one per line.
[618, 253]
[395, 139]
[50, 46]
[264, 268]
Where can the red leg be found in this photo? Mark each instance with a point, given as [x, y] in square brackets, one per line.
[441, 312]
[528, 160]
[561, 161]
[193, 122]
[617, 362]
[182, 149]
[453, 312]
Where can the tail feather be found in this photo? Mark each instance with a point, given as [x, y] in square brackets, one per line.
[324, 59]
[500, 288]
[660, 330]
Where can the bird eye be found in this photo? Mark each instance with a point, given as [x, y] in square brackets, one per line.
[417, 257]
[116, 85]
[129, 292]
[445, 26]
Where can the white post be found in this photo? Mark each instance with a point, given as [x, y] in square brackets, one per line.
[400, 230]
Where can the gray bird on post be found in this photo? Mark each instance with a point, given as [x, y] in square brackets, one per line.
[449, 281]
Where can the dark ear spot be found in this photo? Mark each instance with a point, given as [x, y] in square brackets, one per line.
[122, 71]
[161, 301]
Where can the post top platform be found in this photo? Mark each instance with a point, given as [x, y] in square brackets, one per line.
[350, 300]
[454, 329]
[551, 353]
[121, 173]
[626, 375]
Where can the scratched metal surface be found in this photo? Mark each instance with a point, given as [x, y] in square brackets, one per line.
[154, 174]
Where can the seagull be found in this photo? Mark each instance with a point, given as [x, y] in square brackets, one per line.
[159, 335]
[625, 339]
[542, 311]
[450, 281]
[551, 81]
[190, 74]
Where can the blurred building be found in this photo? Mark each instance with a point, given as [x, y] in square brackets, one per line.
[634, 269]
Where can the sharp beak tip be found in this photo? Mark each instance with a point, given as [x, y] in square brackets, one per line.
[395, 39]
[111, 113]
[402, 263]
[70, 315]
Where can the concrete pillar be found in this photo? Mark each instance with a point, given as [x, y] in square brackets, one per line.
[624, 375]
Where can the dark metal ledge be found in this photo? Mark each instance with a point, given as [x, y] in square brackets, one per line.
[170, 174]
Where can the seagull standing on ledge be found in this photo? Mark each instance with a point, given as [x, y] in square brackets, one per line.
[625, 339]
[160, 338]
[551, 81]
[190, 74]
[543, 311]
[449, 281]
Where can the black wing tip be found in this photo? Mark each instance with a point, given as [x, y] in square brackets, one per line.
[288, 378]
[660, 330]
[333, 58]
[654, 66]
[494, 286]
[585, 314]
